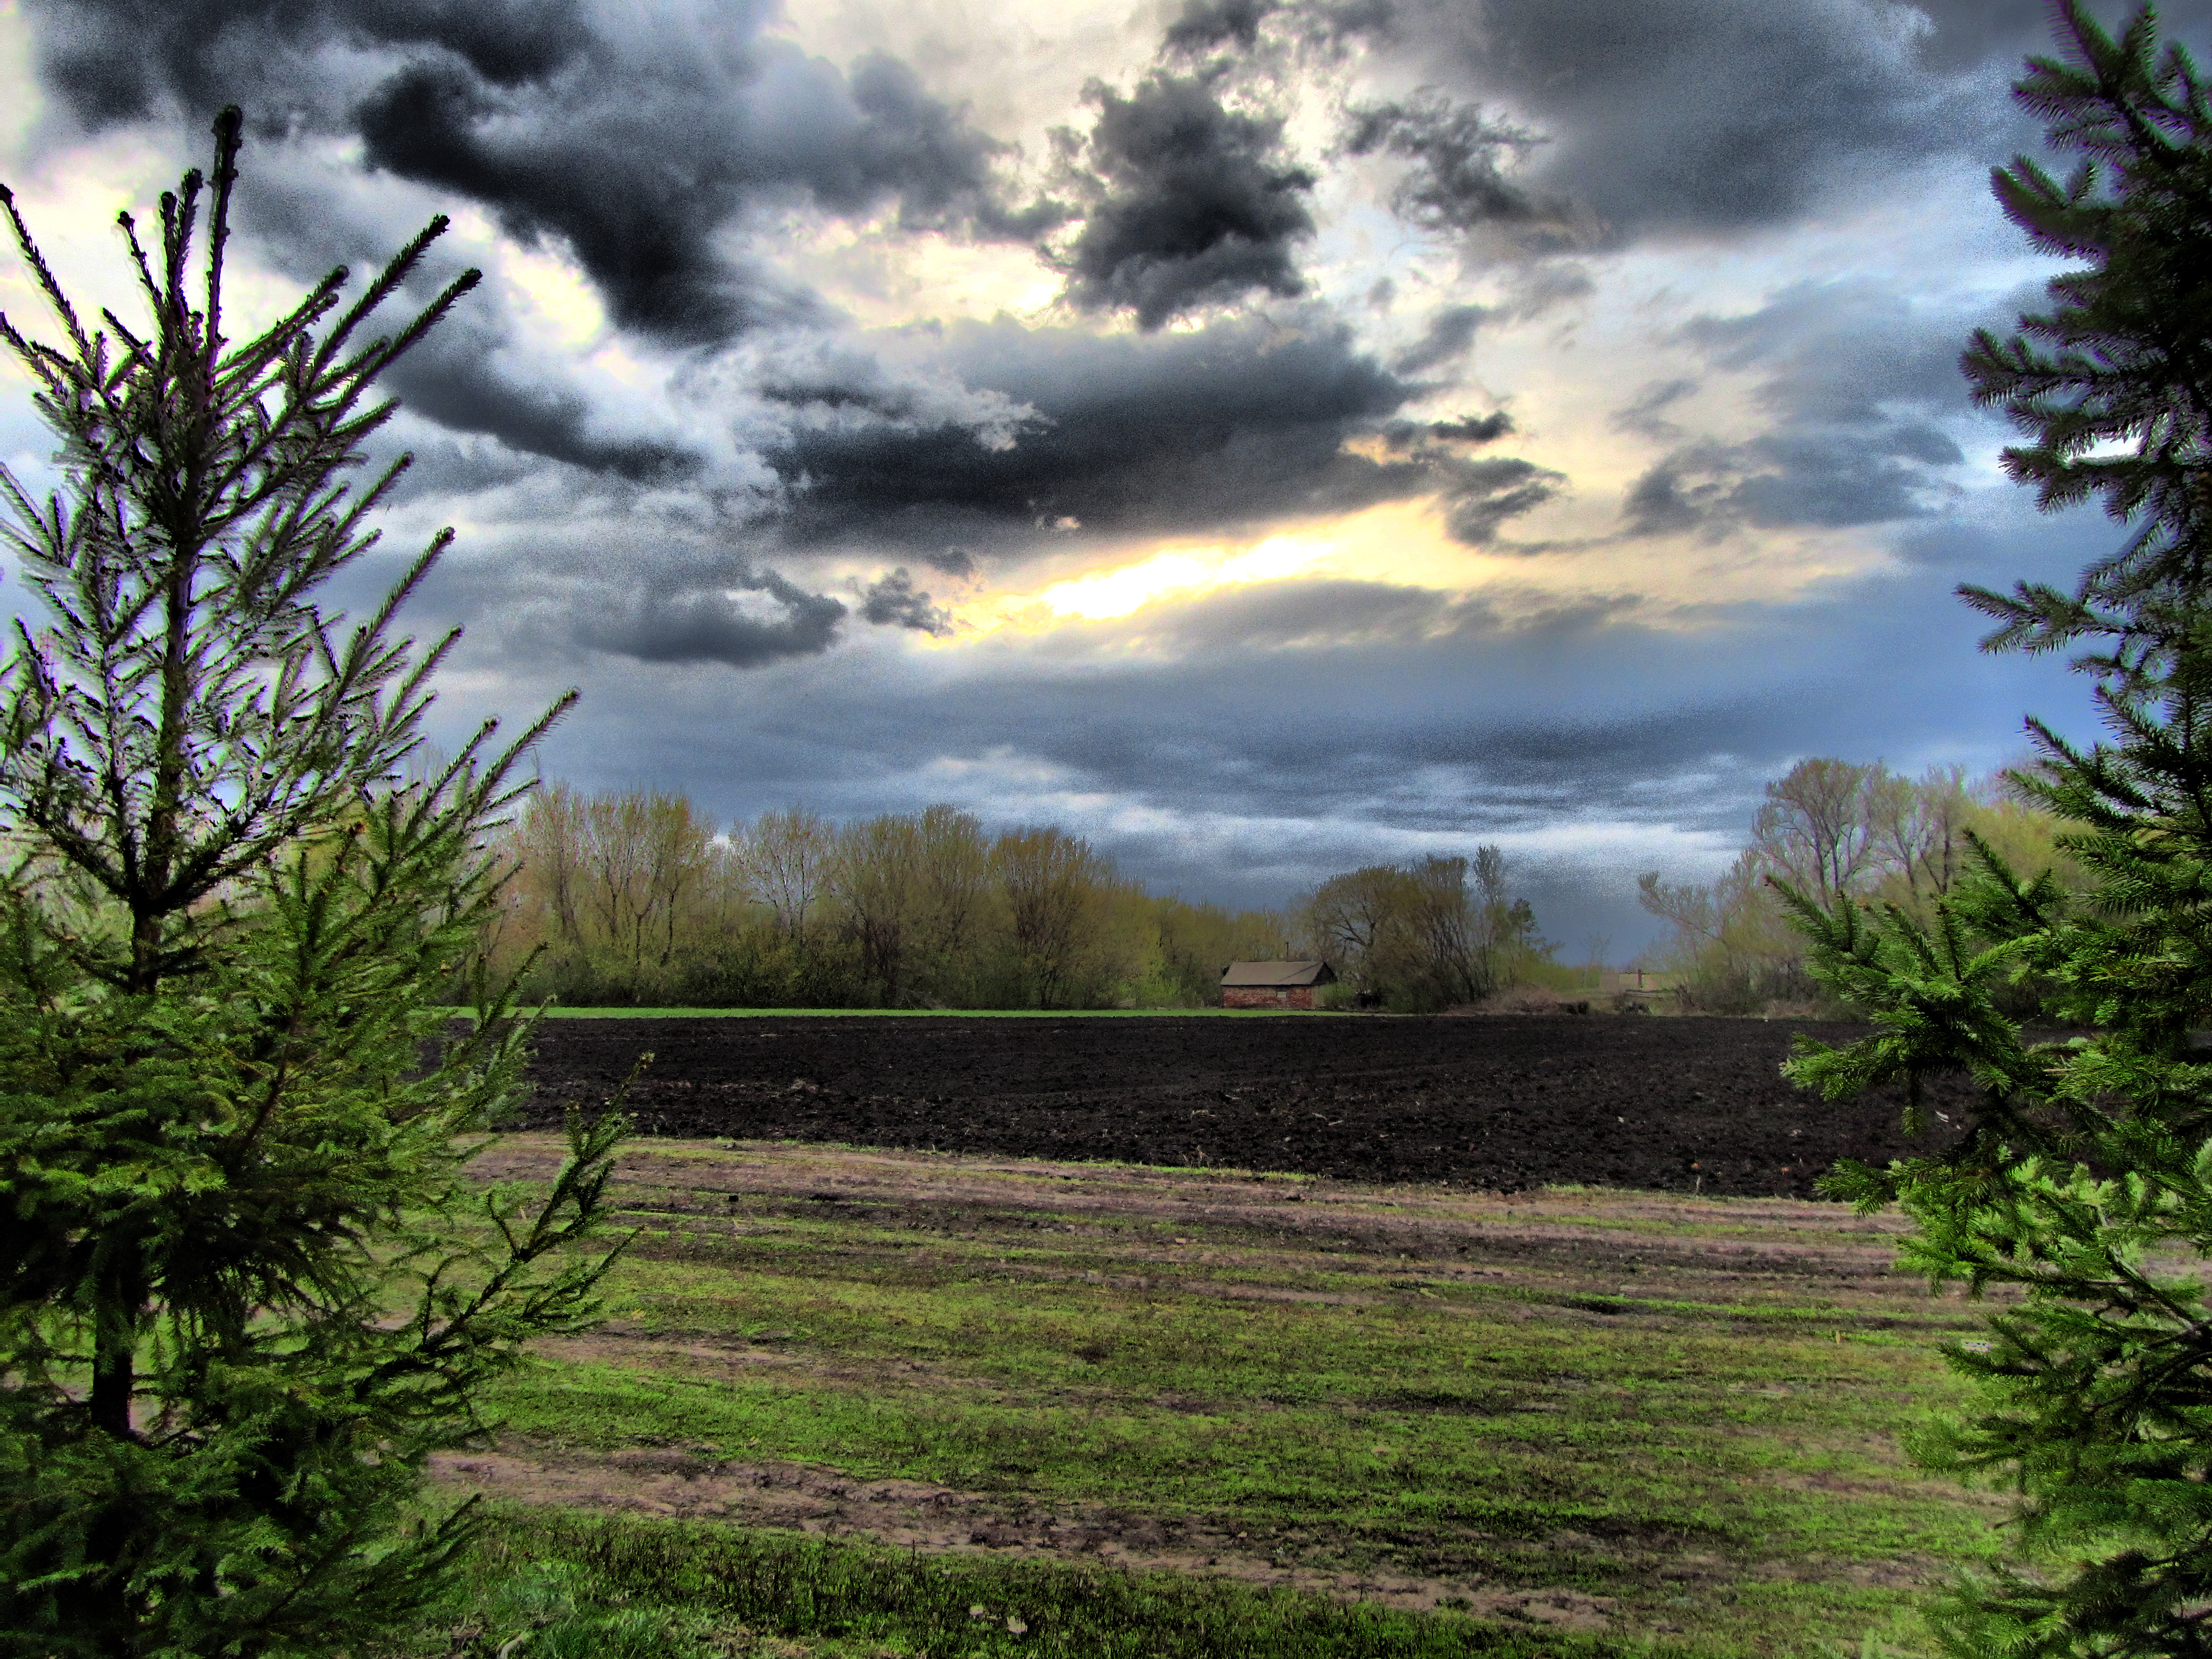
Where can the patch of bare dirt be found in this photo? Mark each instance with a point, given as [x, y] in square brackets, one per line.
[1509, 1102]
[941, 1521]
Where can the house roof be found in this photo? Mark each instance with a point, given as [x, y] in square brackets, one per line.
[1279, 973]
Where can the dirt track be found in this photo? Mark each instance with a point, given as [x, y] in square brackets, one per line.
[1504, 1103]
[1763, 1351]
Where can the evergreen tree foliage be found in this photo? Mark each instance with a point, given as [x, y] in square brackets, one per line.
[2082, 1186]
[246, 1286]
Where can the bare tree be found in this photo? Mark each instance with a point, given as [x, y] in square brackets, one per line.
[1354, 919]
[1818, 826]
[1920, 829]
[786, 856]
[1452, 929]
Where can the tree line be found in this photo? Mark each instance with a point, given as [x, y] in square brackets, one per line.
[1837, 832]
[639, 898]
[1437, 933]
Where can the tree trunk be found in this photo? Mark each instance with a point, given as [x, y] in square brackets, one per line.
[114, 1362]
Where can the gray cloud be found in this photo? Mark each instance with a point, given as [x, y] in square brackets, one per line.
[1232, 423]
[1856, 378]
[1205, 26]
[893, 601]
[1839, 349]
[453, 378]
[1828, 479]
[747, 619]
[1641, 414]
[1467, 430]
[636, 153]
[1456, 181]
[1479, 496]
[1447, 337]
[1193, 204]
[1236, 424]
[1658, 116]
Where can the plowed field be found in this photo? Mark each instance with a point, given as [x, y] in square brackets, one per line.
[1504, 1103]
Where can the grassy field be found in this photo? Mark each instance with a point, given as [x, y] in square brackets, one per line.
[870, 1402]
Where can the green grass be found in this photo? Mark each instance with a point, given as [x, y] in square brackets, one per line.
[611, 1589]
[1623, 1403]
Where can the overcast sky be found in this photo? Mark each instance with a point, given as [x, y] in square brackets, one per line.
[1265, 438]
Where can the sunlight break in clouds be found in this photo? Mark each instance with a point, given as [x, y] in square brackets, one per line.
[863, 389]
[1180, 573]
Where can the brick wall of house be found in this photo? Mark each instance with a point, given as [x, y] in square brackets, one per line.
[1268, 996]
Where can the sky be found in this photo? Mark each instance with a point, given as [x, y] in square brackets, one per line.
[1265, 438]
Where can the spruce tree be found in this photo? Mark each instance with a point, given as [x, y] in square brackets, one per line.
[2082, 1184]
[246, 1286]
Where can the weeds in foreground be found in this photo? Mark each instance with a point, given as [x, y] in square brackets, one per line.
[614, 1588]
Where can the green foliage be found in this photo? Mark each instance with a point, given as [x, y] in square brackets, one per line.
[609, 1588]
[631, 898]
[246, 1286]
[2082, 1186]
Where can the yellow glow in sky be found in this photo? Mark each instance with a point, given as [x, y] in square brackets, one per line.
[1671, 579]
[1183, 573]
[554, 295]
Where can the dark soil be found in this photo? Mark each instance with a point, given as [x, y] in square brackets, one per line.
[1499, 1101]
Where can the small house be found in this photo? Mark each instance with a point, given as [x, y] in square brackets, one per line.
[1273, 984]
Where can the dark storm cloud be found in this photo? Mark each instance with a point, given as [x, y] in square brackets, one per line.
[1235, 423]
[1206, 26]
[453, 379]
[1662, 115]
[893, 601]
[747, 618]
[1193, 204]
[1450, 334]
[1457, 181]
[637, 155]
[118, 60]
